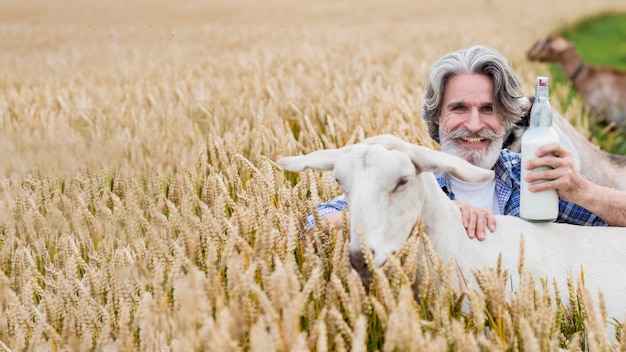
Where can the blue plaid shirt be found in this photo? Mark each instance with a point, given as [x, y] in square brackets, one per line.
[507, 174]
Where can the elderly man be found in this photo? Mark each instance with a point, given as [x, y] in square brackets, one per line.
[471, 101]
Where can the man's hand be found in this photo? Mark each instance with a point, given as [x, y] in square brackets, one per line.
[561, 176]
[475, 220]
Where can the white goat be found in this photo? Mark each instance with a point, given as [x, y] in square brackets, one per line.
[389, 185]
[592, 162]
[603, 89]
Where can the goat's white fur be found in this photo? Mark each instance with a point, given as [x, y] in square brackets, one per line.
[389, 185]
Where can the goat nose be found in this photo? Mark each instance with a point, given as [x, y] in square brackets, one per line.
[358, 260]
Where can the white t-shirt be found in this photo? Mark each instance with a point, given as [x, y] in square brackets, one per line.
[481, 195]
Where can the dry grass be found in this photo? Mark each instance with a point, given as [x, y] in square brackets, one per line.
[140, 206]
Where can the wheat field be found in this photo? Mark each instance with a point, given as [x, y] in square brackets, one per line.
[141, 208]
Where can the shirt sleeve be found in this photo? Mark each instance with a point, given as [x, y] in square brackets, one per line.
[509, 166]
[572, 213]
[332, 206]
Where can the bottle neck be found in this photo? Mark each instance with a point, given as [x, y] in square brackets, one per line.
[541, 111]
[542, 92]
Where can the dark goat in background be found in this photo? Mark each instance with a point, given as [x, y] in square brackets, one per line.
[602, 89]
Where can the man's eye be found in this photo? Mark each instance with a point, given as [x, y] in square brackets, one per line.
[487, 109]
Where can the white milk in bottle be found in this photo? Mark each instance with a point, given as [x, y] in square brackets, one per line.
[538, 206]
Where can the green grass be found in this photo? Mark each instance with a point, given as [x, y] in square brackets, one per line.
[600, 40]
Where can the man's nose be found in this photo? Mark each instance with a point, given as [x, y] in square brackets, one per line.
[474, 123]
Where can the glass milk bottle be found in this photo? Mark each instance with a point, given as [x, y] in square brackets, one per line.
[544, 205]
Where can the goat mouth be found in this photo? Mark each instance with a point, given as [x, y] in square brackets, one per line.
[360, 266]
[366, 277]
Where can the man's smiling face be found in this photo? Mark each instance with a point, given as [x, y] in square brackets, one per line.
[468, 126]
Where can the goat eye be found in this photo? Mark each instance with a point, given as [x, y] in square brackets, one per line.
[401, 182]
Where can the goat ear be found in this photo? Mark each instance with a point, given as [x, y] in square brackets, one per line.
[429, 160]
[537, 47]
[323, 160]
[526, 102]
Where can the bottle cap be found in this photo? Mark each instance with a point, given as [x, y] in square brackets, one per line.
[542, 81]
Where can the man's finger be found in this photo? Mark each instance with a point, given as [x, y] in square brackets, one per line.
[491, 222]
[471, 228]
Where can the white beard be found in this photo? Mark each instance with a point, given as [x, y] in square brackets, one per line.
[484, 158]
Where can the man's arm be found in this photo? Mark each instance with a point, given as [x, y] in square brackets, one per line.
[330, 213]
[609, 204]
[475, 220]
